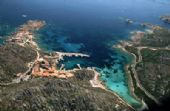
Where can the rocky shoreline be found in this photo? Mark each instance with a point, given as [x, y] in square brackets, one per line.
[43, 66]
[121, 46]
[135, 47]
[165, 18]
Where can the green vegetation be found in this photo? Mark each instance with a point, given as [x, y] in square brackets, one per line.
[44, 94]
[140, 94]
[14, 59]
[158, 56]
[73, 94]
[154, 71]
[159, 38]
[152, 64]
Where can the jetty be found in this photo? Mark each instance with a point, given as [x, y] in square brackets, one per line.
[45, 64]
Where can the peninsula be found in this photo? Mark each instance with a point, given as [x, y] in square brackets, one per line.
[149, 71]
[33, 82]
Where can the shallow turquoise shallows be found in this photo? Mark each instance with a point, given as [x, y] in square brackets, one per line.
[87, 26]
[116, 80]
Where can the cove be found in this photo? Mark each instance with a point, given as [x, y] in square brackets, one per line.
[109, 62]
[88, 26]
[116, 79]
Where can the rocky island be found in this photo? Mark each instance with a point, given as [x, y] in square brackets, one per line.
[165, 18]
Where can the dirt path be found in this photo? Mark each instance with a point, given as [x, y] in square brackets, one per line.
[135, 73]
[23, 76]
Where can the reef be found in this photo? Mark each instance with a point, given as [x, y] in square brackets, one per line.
[30, 80]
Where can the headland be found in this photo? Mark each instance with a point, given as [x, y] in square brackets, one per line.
[149, 69]
[31, 74]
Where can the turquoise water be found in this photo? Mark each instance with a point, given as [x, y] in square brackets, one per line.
[116, 80]
[87, 26]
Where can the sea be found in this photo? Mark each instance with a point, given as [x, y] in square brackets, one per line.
[87, 26]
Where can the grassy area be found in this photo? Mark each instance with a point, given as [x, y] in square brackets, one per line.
[158, 56]
[74, 94]
[159, 38]
[138, 92]
[154, 72]
[13, 60]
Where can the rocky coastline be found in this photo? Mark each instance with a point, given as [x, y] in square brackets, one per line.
[38, 69]
[165, 18]
[139, 42]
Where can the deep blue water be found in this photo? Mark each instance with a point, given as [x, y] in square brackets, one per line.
[87, 26]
